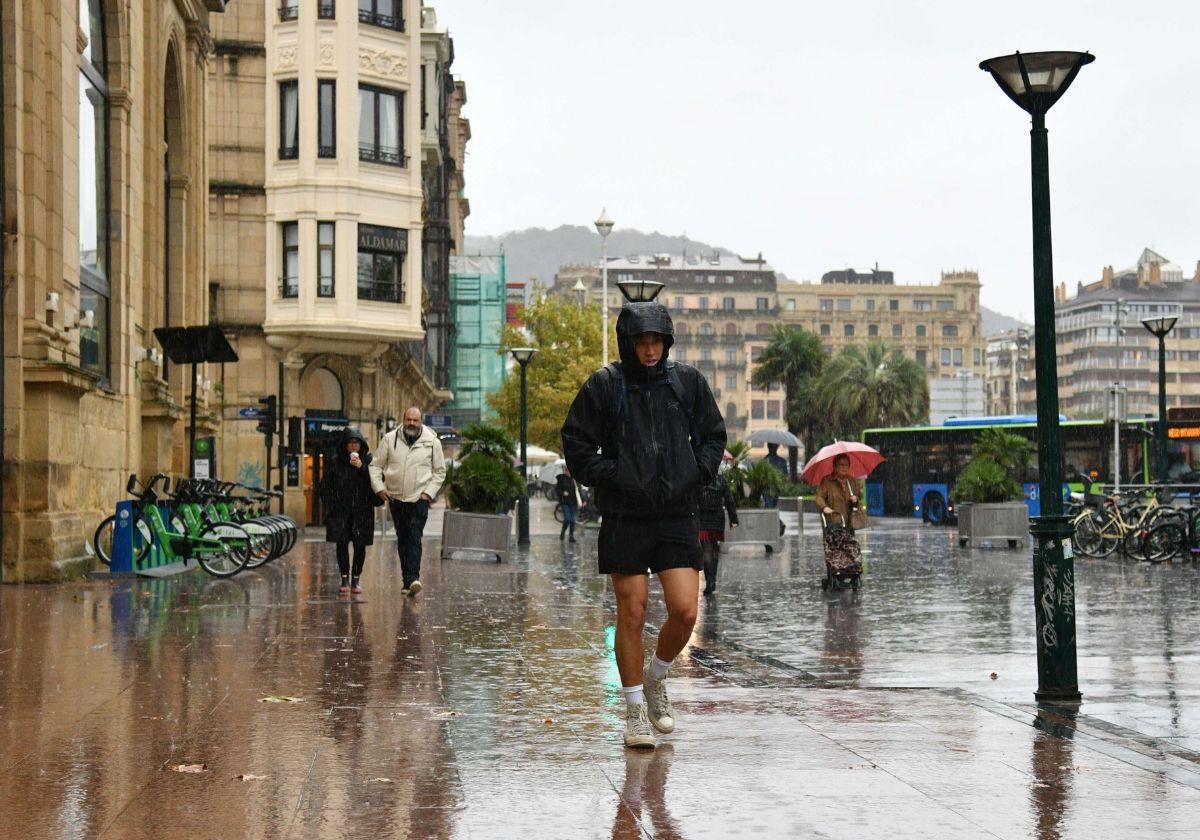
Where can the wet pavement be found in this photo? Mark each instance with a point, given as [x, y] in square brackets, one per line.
[489, 706]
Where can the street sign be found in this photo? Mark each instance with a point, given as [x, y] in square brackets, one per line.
[249, 413]
[439, 421]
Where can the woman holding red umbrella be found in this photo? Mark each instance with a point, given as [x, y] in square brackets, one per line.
[839, 493]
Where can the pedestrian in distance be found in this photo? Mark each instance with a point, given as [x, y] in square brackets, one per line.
[716, 499]
[645, 434]
[568, 497]
[349, 505]
[780, 463]
[408, 472]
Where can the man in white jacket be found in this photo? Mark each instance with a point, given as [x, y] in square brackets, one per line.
[407, 472]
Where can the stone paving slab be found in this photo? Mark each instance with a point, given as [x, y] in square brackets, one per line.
[489, 706]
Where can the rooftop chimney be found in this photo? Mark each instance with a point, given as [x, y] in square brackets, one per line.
[1156, 274]
[1106, 279]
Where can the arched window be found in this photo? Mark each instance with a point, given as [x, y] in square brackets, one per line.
[763, 329]
[730, 410]
[706, 328]
[94, 289]
[730, 328]
[322, 389]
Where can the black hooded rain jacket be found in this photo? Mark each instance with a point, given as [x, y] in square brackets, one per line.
[629, 436]
[346, 493]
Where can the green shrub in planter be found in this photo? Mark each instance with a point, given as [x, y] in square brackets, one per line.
[983, 481]
[760, 478]
[484, 480]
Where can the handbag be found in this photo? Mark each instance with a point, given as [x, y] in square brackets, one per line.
[859, 520]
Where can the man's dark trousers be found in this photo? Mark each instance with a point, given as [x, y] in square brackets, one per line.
[409, 520]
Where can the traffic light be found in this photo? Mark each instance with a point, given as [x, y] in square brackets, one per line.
[266, 420]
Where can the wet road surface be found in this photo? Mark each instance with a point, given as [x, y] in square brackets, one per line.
[489, 706]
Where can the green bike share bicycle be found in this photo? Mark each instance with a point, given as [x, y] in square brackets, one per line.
[221, 548]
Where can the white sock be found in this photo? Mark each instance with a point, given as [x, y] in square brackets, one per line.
[659, 668]
[634, 695]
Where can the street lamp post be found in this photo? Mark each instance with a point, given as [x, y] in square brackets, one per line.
[1159, 328]
[523, 355]
[1035, 81]
[604, 226]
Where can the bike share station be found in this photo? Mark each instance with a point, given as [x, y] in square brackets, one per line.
[183, 346]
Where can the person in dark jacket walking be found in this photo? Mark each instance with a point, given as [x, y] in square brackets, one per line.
[645, 434]
[715, 500]
[349, 506]
[568, 497]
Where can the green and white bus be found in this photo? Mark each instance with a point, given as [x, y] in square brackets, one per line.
[923, 462]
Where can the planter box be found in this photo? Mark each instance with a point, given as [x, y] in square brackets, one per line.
[756, 526]
[794, 504]
[487, 532]
[991, 523]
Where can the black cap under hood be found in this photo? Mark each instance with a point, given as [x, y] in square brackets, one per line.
[635, 319]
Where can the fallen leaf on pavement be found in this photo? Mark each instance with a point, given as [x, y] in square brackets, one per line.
[960, 749]
[994, 675]
[188, 768]
[249, 777]
[380, 779]
[279, 698]
[549, 721]
[447, 714]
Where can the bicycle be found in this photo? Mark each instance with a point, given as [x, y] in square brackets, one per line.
[1124, 521]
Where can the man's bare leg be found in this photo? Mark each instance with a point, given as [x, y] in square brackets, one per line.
[632, 592]
[681, 588]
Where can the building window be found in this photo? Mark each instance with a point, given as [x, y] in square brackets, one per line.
[326, 9]
[945, 356]
[679, 302]
[949, 331]
[289, 280]
[897, 330]
[848, 330]
[705, 354]
[386, 13]
[762, 304]
[871, 305]
[381, 125]
[755, 352]
[289, 120]
[945, 305]
[731, 357]
[826, 330]
[704, 302]
[772, 409]
[923, 305]
[958, 356]
[791, 305]
[706, 328]
[977, 356]
[894, 305]
[326, 118]
[921, 358]
[872, 330]
[728, 303]
[843, 304]
[381, 252]
[325, 284]
[289, 9]
[756, 409]
[920, 330]
[826, 304]
[731, 381]
[95, 292]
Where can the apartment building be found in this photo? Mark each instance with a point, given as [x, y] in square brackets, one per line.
[1009, 365]
[1101, 340]
[938, 325]
[724, 308]
[336, 176]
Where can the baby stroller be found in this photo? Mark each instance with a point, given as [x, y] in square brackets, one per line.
[843, 557]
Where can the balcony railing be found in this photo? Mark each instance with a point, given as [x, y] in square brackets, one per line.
[289, 11]
[387, 291]
[289, 287]
[395, 22]
[289, 152]
[390, 155]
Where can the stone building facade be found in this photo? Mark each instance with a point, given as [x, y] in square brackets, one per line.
[334, 153]
[104, 129]
[724, 308]
[938, 325]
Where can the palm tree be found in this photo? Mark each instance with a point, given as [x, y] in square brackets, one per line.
[862, 388]
[794, 357]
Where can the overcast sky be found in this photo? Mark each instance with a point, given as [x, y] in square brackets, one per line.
[833, 134]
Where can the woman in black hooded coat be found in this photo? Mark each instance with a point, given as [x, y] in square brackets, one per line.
[349, 505]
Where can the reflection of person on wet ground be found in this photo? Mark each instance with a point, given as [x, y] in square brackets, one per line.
[644, 795]
[646, 435]
[843, 645]
[346, 672]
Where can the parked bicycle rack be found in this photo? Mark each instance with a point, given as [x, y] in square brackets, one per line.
[126, 538]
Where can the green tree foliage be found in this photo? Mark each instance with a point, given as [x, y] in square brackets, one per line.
[794, 358]
[863, 388]
[567, 337]
[484, 481]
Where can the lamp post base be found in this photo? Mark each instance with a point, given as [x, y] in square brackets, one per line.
[1054, 606]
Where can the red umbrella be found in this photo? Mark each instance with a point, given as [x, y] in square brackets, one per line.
[863, 459]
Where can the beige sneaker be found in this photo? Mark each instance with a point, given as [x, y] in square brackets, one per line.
[661, 713]
[413, 588]
[638, 732]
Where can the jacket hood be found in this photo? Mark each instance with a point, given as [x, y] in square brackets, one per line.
[353, 433]
[635, 319]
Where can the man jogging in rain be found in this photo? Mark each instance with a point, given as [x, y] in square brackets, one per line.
[646, 435]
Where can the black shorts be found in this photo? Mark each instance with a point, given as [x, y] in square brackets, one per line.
[648, 546]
